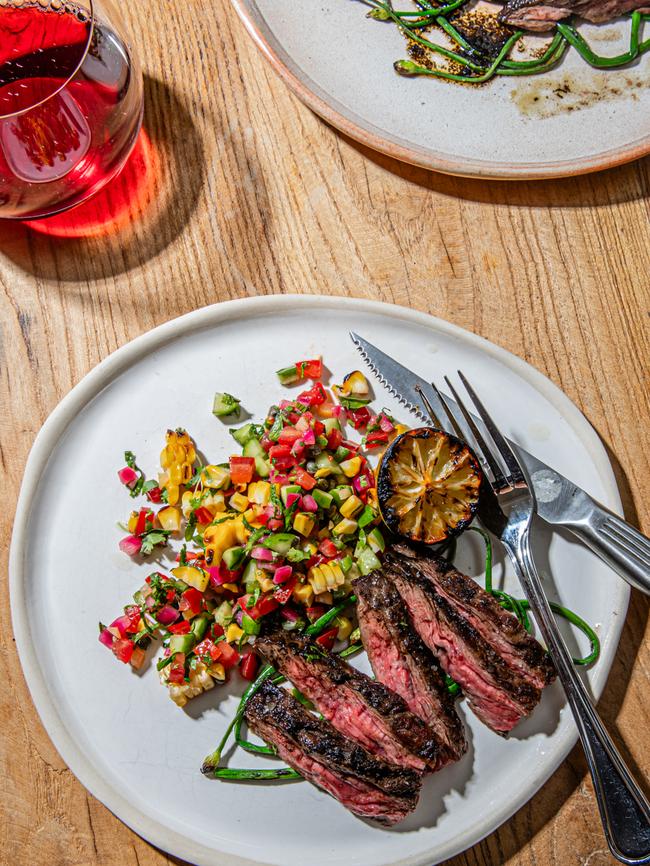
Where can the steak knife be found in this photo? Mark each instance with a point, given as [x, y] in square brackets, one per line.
[560, 502]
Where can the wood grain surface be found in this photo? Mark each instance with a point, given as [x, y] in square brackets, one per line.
[245, 192]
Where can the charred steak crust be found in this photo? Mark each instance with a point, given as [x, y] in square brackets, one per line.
[506, 679]
[470, 595]
[377, 594]
[406, 728]
[272, 708]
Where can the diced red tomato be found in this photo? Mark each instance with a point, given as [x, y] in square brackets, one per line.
[241, 469]
[249, 665]
[304, 479]
[133, 613]
[203, 515]
[328, 638]
[351, 446]
[181, 627]
[177, 669]
[328, 548]
[318, 427]
[123, 649]
[207, 650]
[228, 655]
[282, 457]
[217, 630]
[192, 601]
[334, 439]
[314, 396]
[375, 439]
[315, 612]
[289, 435]
[359, 418]
[316, 559]
[266, 604]
[154, 495]
[310, 369]
[283, 594]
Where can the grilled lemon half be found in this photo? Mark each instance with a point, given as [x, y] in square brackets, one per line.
[428, 485]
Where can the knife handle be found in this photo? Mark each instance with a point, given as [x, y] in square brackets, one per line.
[618, 544]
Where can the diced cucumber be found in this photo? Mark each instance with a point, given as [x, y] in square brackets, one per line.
[289, 488]
[288, 375]
[250, 625]
[224, 405]
[322, 498]
[243, 434]
[280, 542]
[341, 493]
[331, 424]
[249, 576]
[253, 448]
[182, 643]
[233, 557]
[376, 540]
[262, 467]
[223, 614]
[200, 626]
[342, 453]
[326, 461]
[346, 563]
[321, 441]
[367, 561]
[367, 516]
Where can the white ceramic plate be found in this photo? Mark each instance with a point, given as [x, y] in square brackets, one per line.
[119, 732]
[571, 120]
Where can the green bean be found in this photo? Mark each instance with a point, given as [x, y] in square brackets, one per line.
[318, 626]
[579, 42]
[235, 774]
[407, 67]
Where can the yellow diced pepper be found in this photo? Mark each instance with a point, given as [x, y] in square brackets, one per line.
[351, 506]
[345, 527]
[170, 518]
[192, 576]
[259, 492]
[238, 502]
[400, 428]
[217, 671]
[351, 467]
[345, 626]
[303, 523]
[266, 583]
[310, 547]
[133, 521]
[233, 632]
[231, 586]
[324, 472]
[303, 594]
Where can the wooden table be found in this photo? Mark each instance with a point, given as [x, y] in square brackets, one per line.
[249, 193]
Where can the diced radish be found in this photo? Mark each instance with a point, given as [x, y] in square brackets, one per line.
[309, 503]
[309, 437]
[262, 553]
[122, 624]
[284, 403]
[291, 498]
[337, 411]
[385, 423]
[128, 476]
[275, 523]
[290, 614]
[131, 545]
[282, 574]
[106, 638]
[167, 615]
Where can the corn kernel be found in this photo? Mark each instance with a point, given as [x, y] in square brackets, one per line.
[238, 502]
[217, 671]
[303, 523]
[345, 527]
[215, 476]
[351, 467]
[215, 502]
[339, 575]
[317, 580]
[351, 506]
[233, 632]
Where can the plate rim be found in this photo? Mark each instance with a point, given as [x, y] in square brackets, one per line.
[345, 122]
[120, 360]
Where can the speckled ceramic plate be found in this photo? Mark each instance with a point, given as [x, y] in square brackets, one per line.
[569, 121]
[119, 732]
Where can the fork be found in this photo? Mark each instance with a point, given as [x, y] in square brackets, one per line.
[624, 810]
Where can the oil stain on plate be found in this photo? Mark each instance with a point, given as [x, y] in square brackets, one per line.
[573, 91]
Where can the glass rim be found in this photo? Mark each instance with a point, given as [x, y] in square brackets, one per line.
[35, 3]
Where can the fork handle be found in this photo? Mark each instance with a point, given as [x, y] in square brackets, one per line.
[619, 544]
[624, 810]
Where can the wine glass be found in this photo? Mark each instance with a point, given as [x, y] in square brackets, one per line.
[71, 103]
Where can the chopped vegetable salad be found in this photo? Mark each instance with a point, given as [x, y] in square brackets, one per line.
[277, 532]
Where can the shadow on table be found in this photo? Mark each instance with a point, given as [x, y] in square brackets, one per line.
[613, 186]
[135, 217]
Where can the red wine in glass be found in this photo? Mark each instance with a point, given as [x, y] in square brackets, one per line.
[70, 104]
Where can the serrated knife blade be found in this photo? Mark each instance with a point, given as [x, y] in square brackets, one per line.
[560, 502]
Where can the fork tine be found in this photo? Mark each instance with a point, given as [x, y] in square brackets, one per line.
[498, 478]
[430, 410]
[453, 423]
[503, 447]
